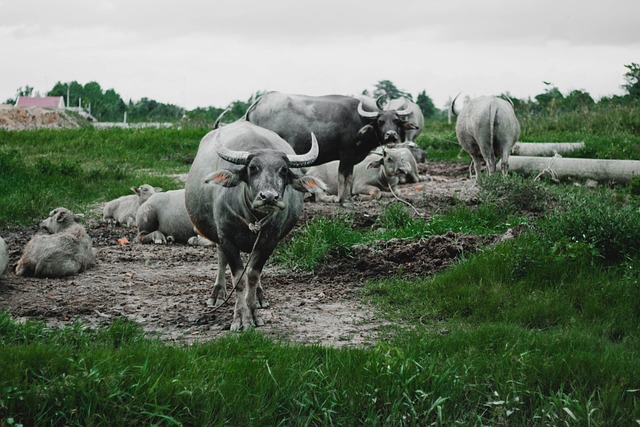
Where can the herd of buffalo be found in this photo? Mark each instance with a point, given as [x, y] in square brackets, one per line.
[246, 186]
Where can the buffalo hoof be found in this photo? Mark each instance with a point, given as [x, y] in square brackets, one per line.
[347, 204]
[245, 321]
[211, 303]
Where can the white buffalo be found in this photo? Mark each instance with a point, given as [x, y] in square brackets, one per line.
[487, 128]
[66, 251]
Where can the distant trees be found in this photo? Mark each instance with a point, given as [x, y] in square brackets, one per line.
[632, 77]
[389, 90]
[425, 103]
[148, 110]
[106, 106]
[22, 91]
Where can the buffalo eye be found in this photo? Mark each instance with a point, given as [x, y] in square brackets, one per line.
[253, 169]
[283, 172]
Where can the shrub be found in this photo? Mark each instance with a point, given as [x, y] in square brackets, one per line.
[597, 222]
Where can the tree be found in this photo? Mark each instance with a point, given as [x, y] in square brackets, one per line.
[577, 100]
[426, 105]
[549, 100]
[387, 89]
[632, 78]
[22, 91]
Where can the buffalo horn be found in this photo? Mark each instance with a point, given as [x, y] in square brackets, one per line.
[366, 114]
[406, 111]
[379, 103]
[510, 101]
[302, 160]
[453, 103]
[216, 125]
[232, 156]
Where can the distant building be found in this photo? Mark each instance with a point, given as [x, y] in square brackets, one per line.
[44, 102]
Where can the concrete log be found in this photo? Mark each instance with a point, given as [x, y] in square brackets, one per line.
[621, 171]
[545, 148]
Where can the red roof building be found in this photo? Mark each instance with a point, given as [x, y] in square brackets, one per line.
[44, 102]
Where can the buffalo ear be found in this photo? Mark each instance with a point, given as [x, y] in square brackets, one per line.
[223, 177]
[375, 163]
[309, 184]
[409, 126]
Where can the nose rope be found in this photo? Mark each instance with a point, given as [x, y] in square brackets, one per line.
[255, 227]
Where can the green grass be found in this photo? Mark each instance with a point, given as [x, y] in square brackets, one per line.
[504, 200]
[543, 329]
[44, 169]
[609, 132]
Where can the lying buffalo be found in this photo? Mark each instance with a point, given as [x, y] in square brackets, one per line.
[376, 173]
[65, 251]
[487, 128]
[244, 193]
[346, 128]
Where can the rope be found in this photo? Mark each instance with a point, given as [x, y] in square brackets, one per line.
[396, 196]
[549, 169]
[254, 227]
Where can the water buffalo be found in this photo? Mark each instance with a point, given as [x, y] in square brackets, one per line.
[415, 116]
[376, 173]
[487, 128]
[164, 219]
[65, 251]
[123, 209]
[244, 193]
[347, 128]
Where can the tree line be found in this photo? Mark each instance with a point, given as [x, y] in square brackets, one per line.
[108, 106]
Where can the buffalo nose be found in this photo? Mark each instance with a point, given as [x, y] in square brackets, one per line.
[268, 196]
[391, 136]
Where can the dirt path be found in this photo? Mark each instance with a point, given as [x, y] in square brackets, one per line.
[165, 288]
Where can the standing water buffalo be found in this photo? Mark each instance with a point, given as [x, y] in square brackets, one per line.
[415, 116]
[487, 127]
[346, 128]
[244, 193]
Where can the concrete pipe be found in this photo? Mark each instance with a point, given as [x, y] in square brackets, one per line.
[545, 148]
[621, 171]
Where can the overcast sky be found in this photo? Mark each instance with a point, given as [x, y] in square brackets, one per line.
[210, 53]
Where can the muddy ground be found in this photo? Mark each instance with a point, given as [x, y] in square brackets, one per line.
[165, 287]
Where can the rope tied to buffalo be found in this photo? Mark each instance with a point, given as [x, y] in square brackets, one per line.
[255, 227]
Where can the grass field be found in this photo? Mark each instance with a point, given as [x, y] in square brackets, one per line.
[541, 330]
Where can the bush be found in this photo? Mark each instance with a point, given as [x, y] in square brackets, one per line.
[515, 193]
[597, 222]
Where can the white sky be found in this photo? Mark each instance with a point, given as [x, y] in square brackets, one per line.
[209, 53]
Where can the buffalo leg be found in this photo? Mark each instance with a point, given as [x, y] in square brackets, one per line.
[345, 184]
[262, 302]
[219, 294]
[245, 282]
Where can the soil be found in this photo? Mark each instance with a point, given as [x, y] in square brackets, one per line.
[165, 287]
[12, 118]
